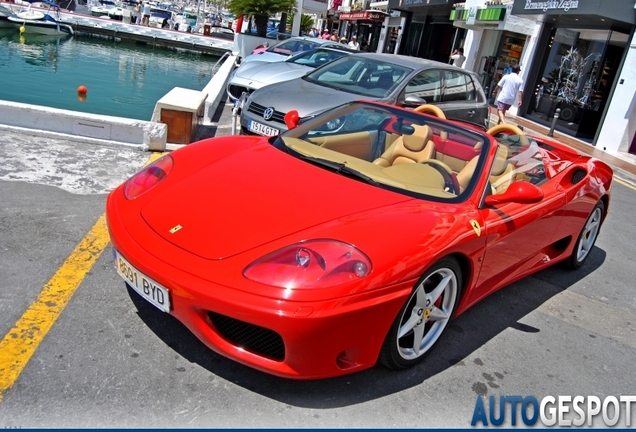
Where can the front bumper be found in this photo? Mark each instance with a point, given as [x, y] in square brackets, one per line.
[319, 339]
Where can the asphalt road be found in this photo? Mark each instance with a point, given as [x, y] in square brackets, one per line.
[110, 360]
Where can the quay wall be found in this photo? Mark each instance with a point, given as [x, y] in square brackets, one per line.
[94, 127]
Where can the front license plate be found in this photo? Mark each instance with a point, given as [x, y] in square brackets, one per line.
[146, 287]
[261, 129]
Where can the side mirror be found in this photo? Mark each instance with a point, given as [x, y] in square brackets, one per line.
[520, 192]
[291, 119]
[414, 101]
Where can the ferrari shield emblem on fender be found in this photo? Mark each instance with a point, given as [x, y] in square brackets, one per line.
[476, 227]
[178, 227]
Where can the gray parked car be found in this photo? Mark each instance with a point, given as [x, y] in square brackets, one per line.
[400, 80]
[254, 75]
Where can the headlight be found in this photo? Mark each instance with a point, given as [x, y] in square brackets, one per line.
[311, 264]
[148, 178]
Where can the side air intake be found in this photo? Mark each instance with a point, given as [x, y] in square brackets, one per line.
[578, 175]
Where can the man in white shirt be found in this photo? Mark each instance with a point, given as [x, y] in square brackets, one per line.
[510, 85]
[354, 43]
[458, 57]
[145, 10]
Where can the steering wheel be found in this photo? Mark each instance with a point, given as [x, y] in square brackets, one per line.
[447, 173]
[512, 129]
[431, 109]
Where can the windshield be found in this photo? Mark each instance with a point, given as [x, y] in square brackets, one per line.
[353, 74]
[392, 148]
[315, 58]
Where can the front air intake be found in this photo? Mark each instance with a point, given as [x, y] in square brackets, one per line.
[252, 338]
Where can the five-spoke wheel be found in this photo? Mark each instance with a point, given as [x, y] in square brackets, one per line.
[424, 317]
[587, 238]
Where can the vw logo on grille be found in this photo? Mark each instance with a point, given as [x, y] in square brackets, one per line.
[268, 113]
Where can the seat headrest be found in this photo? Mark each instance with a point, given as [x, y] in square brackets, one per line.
[501, 160]
[418, 140]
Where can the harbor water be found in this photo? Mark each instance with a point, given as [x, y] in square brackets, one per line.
[122, 79]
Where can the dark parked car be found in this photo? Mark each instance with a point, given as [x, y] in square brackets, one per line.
[401, 80]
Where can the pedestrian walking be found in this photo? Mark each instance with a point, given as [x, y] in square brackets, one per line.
[138, 13]
[509, 86]
[458, 57]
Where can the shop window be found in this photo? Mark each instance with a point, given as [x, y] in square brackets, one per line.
[579, 68]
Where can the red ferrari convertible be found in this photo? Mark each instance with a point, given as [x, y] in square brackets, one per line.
[353, 238]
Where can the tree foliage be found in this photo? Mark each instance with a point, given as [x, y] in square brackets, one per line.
[261, 10]
[306, 22]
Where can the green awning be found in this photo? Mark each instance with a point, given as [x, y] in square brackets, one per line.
[487, 14]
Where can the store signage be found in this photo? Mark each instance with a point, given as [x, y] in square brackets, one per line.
[564, 5]
[362, 15]
[472, 15]
[423, 2]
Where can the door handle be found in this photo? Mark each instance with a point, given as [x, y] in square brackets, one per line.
[471, 113]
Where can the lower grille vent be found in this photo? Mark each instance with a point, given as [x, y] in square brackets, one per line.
[253, 338]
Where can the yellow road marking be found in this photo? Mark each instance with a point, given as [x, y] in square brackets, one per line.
[20, 343]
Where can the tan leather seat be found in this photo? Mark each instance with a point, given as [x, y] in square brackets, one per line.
[455, 163]
[501, 176]
[500, 169]
[464, 176]
[413, 148]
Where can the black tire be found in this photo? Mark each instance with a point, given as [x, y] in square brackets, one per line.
[425, 321]
[587, 238]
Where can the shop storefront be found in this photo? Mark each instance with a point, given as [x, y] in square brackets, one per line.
[580, 52]
[365, 25]
[392, 31]
[496, 40]
[429, 32]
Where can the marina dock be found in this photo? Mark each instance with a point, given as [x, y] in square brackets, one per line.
[119, 30]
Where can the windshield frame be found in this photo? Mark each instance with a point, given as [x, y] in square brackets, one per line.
[291, 142]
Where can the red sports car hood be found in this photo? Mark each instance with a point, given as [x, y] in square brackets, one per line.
[254, 196]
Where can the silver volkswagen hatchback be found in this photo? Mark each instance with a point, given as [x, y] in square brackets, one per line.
[395, 79]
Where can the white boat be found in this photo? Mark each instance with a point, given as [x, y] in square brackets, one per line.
[5, 13]
[32, 21]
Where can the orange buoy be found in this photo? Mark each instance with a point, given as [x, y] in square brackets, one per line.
[82, 90]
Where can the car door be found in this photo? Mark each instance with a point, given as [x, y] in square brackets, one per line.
[461, 99]
[519, 237]
[453, 91]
